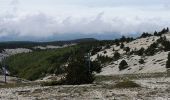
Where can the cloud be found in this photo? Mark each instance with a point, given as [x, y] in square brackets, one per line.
[41, 25]
[101, 19]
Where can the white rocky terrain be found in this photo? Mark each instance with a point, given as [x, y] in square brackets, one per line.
[52, 46]
[152, 64]
[151, 89]
[9, 52]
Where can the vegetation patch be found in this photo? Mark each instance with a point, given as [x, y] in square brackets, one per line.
[52, 83]
[123, 65]
[126, 84]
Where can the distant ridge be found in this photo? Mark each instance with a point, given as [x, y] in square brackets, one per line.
[28, 44]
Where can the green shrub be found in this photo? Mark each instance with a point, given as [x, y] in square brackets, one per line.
[104, 59]
[52, 83]
[105, 52]
[126, 84]
[122, 46]
[78, 71]
[127, 49]
[168, 61]
[116, 55]
[140, 52]
[151, 50]
[141, 61]
[123, 65]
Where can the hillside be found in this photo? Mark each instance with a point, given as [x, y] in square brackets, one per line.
[145, 54]
[151, 63]
[40, 63]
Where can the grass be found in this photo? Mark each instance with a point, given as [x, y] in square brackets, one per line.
[14, 85]
[103, 78]
[126, 84]
[51, 83]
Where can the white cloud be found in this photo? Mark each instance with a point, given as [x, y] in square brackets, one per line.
[42, 20]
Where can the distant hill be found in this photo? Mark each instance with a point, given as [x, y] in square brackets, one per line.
[30, 44]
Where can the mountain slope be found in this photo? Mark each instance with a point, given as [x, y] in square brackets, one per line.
[151, 63]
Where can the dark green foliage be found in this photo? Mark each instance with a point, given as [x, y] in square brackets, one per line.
[168, 61]
[122, 39]
[123, 65]
[167, 29]
[117, 42]
[95, 50]
[127, 49]
[116, 56]
[144, 35]
[151, 50]
[126, 84]
[96, 66]
[78, 71]
[107, 46]
[122, 46]
[125, 39]
[141, 61]
[105, 52]
[155, 33]
[104, 59]
[37, 64]
[140, 52]
[52, 83]
[29, 45]
[113, 49]
[163, 31]
[165, 43]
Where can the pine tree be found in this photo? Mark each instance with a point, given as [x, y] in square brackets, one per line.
[122, 46]
[79, 72]
[127, 49]
[155, 33]
[123, 65]
[167, 30]
[116, 55]
[168, 61]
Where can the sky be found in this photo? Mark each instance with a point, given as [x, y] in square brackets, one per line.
[71, 19]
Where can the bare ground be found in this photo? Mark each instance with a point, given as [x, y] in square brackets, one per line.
[157, 88]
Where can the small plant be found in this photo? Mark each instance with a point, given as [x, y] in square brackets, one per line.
[104, 59]
[141, 61]
[105, 52]
[127, 49]
[140, 51]
[53, 83]
[116, 55]
[126, 84]
[113, 49]
[122, 46]
[107, 46]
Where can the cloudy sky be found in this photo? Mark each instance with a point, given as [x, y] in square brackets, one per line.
[69, 19]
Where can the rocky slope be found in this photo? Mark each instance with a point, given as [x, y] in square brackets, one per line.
[152, 64]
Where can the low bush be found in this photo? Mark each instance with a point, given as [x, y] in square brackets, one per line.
[123, 65]
[126, 84]
[141, 61]
[52, 83]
